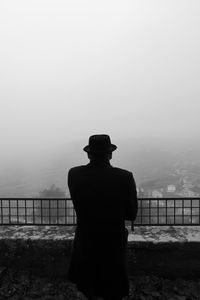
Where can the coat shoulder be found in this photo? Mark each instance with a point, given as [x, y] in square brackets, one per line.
[122, 172]
[75, 170]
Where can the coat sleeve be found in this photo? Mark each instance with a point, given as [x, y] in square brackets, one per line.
[71, 186]
[131, 207]
[69, 182]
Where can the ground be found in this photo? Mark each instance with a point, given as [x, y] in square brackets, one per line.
[20, 285]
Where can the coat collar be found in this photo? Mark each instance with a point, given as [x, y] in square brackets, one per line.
[99, 164]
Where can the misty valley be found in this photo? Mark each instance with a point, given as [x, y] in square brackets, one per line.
[167, 177]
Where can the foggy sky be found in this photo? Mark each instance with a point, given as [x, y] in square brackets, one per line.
[69, 69]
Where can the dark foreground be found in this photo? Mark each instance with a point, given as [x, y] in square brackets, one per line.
[20, 285]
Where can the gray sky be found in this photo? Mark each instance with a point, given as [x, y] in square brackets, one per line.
[69, 69]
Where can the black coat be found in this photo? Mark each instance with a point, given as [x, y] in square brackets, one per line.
[103, 197]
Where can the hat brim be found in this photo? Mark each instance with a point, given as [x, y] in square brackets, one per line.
[111, 149]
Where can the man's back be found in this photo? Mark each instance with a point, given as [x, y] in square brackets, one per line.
[102, 195]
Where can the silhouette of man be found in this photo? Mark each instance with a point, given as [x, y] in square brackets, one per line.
[103, 197]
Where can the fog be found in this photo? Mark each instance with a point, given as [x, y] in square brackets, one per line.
[70, 69]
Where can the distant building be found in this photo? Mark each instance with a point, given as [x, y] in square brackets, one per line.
[171, 188]
[187, 193]
[157, 194]
[196, 190]
[140, 192]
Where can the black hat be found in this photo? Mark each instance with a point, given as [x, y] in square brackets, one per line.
[99, 143]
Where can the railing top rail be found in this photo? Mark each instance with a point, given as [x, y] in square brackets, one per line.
[68, 198]
[34, 198]
[170, 198]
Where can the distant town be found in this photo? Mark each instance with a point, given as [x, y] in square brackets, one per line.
[179, 183]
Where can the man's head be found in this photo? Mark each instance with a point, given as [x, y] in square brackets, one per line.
[100, 147]
[99, 157]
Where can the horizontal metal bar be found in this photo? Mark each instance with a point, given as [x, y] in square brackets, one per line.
[37, 224]
[43, 198]
[67, 198]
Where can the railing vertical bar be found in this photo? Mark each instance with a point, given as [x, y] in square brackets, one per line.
[41, 211]
[174, 211]
[182, 211]
[157, 211]
[9, 217]
[190, 211]
[199, 211]
[149, 211]
[25, 207]
[65, 210]
[33, 211]
[141, 210]
[57, 211]
[49, 210]
[1, 212]
[18, 211]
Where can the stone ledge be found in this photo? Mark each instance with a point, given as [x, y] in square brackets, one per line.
[163, 251]
[151, 234]
[165, 234]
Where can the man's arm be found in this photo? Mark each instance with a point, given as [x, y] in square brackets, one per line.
[131, 207]
[69, 182]
[70, 185]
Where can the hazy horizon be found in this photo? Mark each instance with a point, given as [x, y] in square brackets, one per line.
[27, 175]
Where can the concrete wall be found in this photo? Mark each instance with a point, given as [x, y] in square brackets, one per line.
[172, 252]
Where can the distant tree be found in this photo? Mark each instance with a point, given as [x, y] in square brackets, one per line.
[51, 210]
[52, 192]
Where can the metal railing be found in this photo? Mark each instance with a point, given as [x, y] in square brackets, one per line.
[37, 211]
[60, 211]
[168, 211]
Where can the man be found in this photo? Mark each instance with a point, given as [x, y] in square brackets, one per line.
[103, 197]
